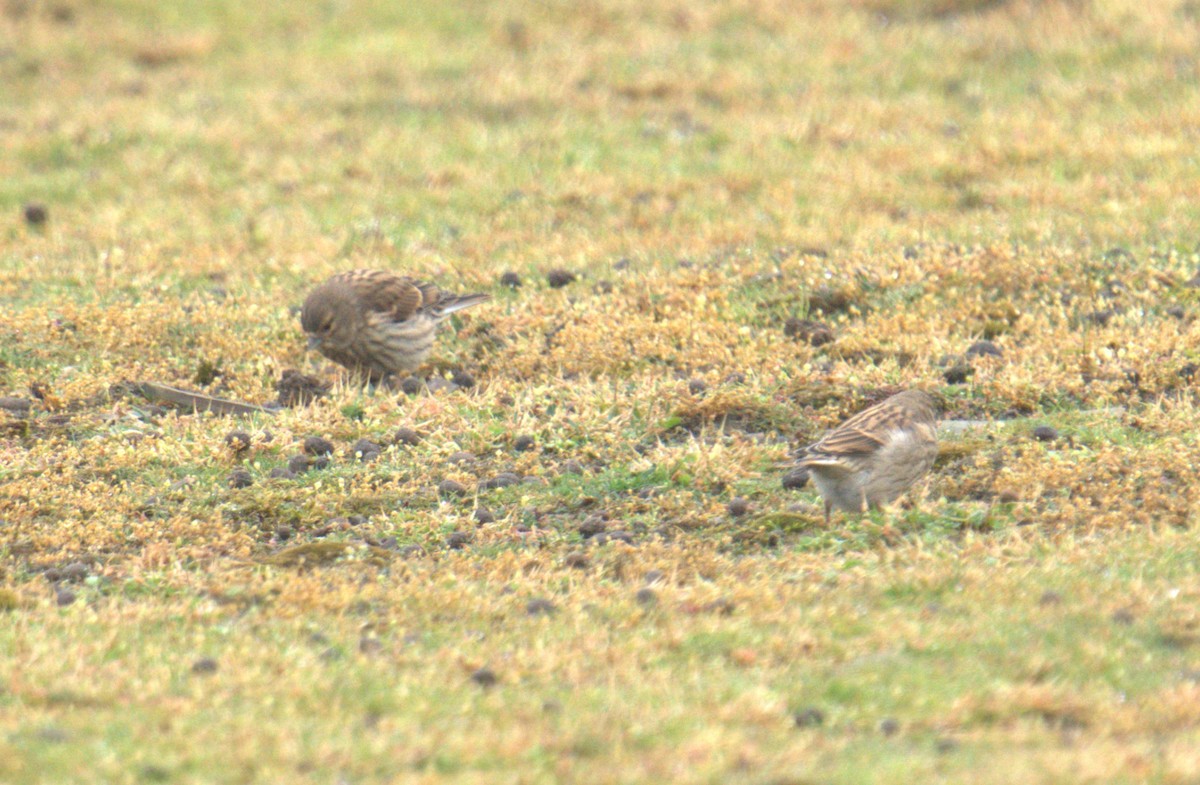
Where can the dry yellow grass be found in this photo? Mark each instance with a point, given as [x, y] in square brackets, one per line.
[547, 583]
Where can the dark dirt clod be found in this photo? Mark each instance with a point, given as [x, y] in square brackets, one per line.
[958, 374]
[369, 645]
[298, 464]
[411, 385]
[984, 349]
[617, 536]
[558, 278]
[501, 480]
[238, 441]
[511, 280]
[945, 745]
[284, 533]
[456, 541]
[319, 463]
[299, 389]
[572, 466]
[240, 478]
[795, 478]
[1050, 598]
[811, 717]
[451, 488]
[576, 560]
[463, 379]
[738, 507]
[1123, 616]
[539, 606]
[603, 287]
[813, 333]
[1044, 433]
[18, 407]
[484, 677]
[75, 571]
[697, 386]
[364, 450]
[36, 214]
[412, 552]
[407, 436]
[462, 456]
[317, 445]
[889, 726]
[204, 666]
[523, 443]
[592, 525]
[64, 597]
[621, 264]
[483, 515]
[282, 473]
[646, 596]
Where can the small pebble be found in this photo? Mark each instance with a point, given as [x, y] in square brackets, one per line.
[36, 214]
[451, 488]
[795, 478]
[411, 385]
[364, 450]
[204, 666]
[809, 718]
[238, 441]
[523, 443]
[298, 464]
[484, 677]
[407, 437]
[539, 606]
[456, 541]
[240, 478]
[511, 280]
[463, 379]
[1044, 433]
[317, 445]
[483, 515]
[646, 597]
[64, 597]
[738, 507]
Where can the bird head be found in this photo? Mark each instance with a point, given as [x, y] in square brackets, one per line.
[332, 317]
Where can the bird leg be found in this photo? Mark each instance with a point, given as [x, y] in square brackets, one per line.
[828, 508]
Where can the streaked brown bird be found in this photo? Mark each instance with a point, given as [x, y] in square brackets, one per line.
[375, 322]
[876, 455]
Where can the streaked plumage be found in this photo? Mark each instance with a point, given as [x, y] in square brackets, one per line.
[876, 455]
[375, 322]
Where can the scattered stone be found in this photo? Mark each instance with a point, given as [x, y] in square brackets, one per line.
[501, 480]
[282, 473]
[621, 264]
[317, 445]
[75, 571]
[451, 488]
[284, 533]
[811, 717]
[369, 645]
[412, 552]
[299, 389]
[540, 606]
[1123, 616]
[811, 332]
[461, 456]
[436, 384]
[298, 464]
[558, 278]
[984, 349]
[697, 386]
[795, 478]
[237, 441]
[456, 541]
[603, 287]
[411, 385]
[1050, 598]
[738, 507]
[958, 374]
[945, 745]
[407, 437]
[523, 443]
[364, 450]
[64, 597]
[576, 560]
[511, 280]
[18, 407]
[463, 379]
[36, 214]
[646, 597]
[484, 677]
[572, 466]
[889, 726]
[1044, 433]
[240, 478]
[204, 666]
[617, 536]
[483, 515]
[592, 525]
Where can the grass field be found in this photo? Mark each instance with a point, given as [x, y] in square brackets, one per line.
[577, 561]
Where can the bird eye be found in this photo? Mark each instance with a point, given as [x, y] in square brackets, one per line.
[327, 325]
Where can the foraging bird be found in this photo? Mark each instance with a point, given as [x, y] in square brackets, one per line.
[876, 455]
[375, 322]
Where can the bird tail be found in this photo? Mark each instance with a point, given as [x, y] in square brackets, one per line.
[458, 302]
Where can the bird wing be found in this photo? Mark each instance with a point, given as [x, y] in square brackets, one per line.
[395, 297]
[865, 432]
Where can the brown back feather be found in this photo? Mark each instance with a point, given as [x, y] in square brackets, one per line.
[396, 297]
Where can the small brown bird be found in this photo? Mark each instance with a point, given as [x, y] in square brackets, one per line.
[375, 322]
[876, 455]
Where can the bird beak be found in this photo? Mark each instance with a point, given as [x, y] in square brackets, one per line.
[314, 342]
